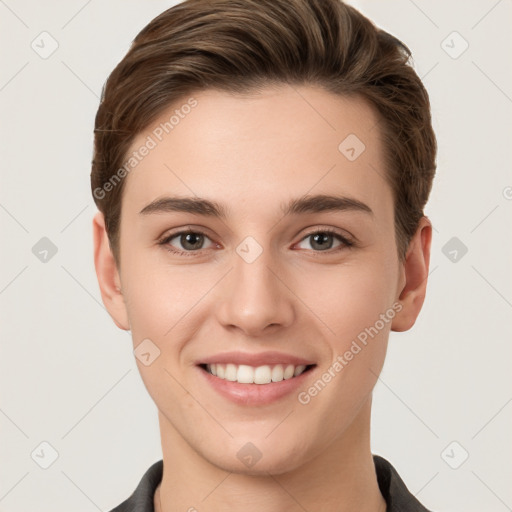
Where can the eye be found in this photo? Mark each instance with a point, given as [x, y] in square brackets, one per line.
[321, 240]
[191, 242]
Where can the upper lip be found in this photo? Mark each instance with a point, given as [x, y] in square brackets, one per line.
[259, 359]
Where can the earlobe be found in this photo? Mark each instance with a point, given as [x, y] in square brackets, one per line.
[108, 275]
[415, 273]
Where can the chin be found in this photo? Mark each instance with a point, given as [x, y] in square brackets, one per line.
[257, 457]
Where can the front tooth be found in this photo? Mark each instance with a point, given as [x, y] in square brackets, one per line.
[298, 370]
[277, 373]
[288, 372]
[262, 375]
[245, 374]
[231, 372]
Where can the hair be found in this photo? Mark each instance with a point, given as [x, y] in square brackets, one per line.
[238, 46]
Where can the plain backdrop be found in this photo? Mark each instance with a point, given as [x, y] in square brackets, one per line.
[442, 407]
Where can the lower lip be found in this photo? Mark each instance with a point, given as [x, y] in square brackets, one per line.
[255, 394]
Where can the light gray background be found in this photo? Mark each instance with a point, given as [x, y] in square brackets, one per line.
[68, 375]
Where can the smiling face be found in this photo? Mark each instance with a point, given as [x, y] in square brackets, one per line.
[264, 278]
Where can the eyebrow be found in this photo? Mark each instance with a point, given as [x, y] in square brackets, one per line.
[306, 204]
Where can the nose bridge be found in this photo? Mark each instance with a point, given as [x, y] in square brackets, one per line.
[253, 298]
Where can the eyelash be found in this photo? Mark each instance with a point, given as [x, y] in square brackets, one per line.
[346, 243]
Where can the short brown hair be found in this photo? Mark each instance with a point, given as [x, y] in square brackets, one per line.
[241, 45]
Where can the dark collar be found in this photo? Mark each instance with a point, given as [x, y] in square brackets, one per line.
[392, 487]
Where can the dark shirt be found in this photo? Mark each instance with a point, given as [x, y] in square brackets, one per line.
[397, 496]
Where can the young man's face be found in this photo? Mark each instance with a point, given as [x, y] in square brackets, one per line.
[259, 283]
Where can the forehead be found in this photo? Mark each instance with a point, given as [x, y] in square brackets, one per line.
[283, 141]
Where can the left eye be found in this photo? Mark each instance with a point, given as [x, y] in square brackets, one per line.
[322, 240]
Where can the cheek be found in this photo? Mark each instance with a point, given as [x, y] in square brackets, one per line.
[159, 304]
[356, 307]
[356, 310]
[168, 306]
[349, 298]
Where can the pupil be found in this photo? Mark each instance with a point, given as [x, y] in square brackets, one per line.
[192, 239]
[320, 238]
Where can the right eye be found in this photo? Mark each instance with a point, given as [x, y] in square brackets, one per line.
[191, 242]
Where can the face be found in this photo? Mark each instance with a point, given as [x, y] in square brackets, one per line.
[247, 279]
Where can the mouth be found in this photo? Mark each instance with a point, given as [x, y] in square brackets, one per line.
[260, 375]
[255, 379]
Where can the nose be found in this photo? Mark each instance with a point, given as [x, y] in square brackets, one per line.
[254, 297]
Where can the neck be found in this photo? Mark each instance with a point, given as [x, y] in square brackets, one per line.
[341, 479]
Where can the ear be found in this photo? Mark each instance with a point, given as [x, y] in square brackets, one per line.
[414, 275]
[108, 275]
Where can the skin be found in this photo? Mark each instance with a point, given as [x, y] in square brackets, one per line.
[252, 153]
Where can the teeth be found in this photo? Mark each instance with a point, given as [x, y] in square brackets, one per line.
[245, 374]
[231, 372]
[298, 370]
[289, 371]
[277, 373]
[262, 375]
[220, 370]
